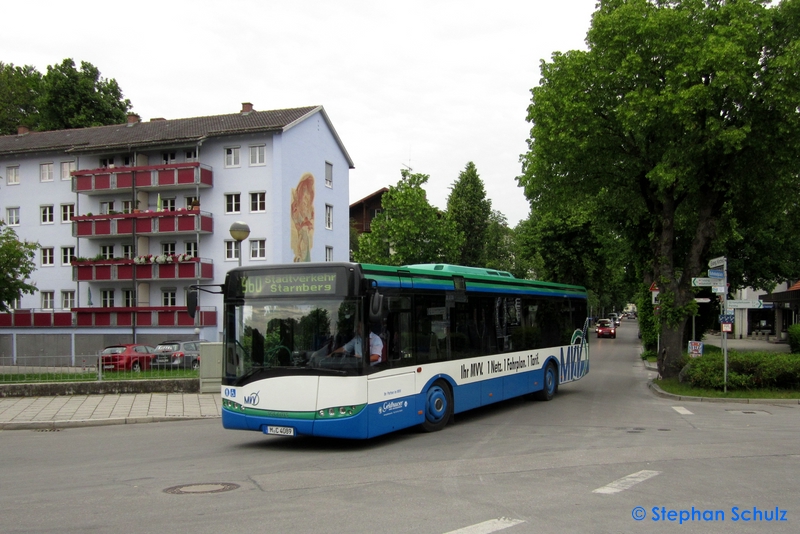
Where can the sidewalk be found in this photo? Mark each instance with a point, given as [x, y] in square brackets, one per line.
[93, 410]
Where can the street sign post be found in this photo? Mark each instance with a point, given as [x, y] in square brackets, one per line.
[717, 262]
[745, 304]
[708, 282]
[716, 273]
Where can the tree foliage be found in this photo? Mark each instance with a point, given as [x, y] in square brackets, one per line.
[675, 128]
[469, 210]
[63, 98]
[16, 266]
[409, 230]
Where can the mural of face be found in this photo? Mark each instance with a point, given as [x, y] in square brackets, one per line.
[302, 214]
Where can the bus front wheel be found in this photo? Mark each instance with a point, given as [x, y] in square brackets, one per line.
[550, 383]
[438, 406]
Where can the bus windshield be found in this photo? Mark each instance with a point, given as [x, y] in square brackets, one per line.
[284, 333]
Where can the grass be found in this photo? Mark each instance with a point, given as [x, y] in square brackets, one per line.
[671, 385]
[155, 374]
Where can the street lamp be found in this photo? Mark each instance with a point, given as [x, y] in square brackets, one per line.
[239, 232]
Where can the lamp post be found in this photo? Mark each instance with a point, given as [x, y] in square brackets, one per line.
[239, 232]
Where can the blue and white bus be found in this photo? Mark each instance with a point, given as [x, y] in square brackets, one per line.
[451, 339]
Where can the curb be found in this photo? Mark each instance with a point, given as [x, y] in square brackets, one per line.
[657, 391]
[56, 425]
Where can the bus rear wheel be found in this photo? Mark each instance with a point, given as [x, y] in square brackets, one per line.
[550, 384]
[438, 406]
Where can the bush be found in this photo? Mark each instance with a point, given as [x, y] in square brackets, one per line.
[746, 370]
[794, 338]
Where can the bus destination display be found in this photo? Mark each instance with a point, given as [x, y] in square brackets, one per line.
[289, 284]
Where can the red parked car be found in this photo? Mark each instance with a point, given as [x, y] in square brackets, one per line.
[606, 328]
[131, 357]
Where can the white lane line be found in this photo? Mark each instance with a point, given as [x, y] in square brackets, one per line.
[681, 410]
[488, 527]
[626, 482]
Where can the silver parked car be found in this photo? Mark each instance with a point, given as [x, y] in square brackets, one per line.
[177, 355]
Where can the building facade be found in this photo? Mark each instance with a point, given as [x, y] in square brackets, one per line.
[128, 216]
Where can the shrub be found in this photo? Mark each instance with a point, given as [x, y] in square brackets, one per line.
[746, 370]
[794, 338]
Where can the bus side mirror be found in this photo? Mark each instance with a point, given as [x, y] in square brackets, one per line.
[376, 307]
[191, 303]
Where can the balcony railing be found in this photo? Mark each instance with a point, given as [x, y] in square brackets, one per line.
[145, 178]
[181, 221]
[166, 316]
[123, 270]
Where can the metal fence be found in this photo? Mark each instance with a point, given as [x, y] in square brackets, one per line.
[33, 369]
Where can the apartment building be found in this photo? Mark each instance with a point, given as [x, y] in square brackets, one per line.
[128, 216]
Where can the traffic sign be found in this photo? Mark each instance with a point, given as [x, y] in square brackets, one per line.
[726, 318]
[719, 289]
[756, 304]
[653, 287]
[717, 262]
[702, 300]
[716, 273]
[708, 282]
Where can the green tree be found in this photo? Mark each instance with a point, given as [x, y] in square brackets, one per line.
[680, 117]
[72, 98]
[409, 230]
[19, 92]
[469, 210]
[499, 245]
[16, 266]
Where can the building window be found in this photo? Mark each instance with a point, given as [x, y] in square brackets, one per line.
[328, 253]
[258, 155]
[48, 300]
[12, 216]
[12, 175]
[191, 155]
[328, 216]
[258, 249]
[189, 201]
[107, 252]
[191, 248]
[106, 162]
[67, 300]
[47, 214]
[129, 298]
[46, 172]
[168, 204]
[48, 256]
[233, 203]
[127, 206]
[168, 297]
[168, 249]
[107, 207]
[168, 157]
[127, 252]
[231, 250]
[67, 212]
[328, 174]
[67, 253]
[66, 169]
[107, 296]
[127, 161]
[232, 156]
[258, 201]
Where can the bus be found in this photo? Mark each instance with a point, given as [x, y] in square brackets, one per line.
[448, 339]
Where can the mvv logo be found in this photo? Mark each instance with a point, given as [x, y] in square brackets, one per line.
[252, 400]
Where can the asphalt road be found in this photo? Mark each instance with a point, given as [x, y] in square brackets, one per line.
[605, 450]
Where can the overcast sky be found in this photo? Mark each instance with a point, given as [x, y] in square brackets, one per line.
[427, 84]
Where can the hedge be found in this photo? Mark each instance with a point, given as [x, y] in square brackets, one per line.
[746, 370]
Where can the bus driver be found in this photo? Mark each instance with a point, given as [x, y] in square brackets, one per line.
[355, 346]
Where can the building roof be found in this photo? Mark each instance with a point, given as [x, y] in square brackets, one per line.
[159, 132]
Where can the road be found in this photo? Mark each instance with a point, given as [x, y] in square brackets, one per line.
[581, 463]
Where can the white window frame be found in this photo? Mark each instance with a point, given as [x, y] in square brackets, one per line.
[67, 253]
[107, 251]
[190, 247]
[48, 256]
[328, 174]
[48, 300]
[106, 207]
[328, 253]
[258, 155]
[190, 155]
[12, 175]
[12, 216]
[106, 298]
[328, 217]
[168, 157]
[47, 215]
[233, 203]
[45, 172]
[258, 249]
[259, 199]
[231, 250]
[168, 204]
[128, 297]
[67, 300]
[67, 213]
[169, 297]
[127, 251]
[66, 169]
[232, 156]
[169, 248]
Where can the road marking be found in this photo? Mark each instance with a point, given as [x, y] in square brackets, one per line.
[626, 482]
[487, 527]
[681, 410]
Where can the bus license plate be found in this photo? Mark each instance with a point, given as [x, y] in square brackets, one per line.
[280, 430]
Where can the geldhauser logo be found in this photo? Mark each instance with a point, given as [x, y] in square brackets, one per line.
[252, 400]
[390, 407]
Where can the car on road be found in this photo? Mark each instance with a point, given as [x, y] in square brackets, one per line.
[614, 318]
[128, 357]
[178, 354]
[606, 328]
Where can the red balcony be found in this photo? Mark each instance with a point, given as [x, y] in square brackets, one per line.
[166, 316]
[36, 318]
[181, 221]
[143, 269]
[146, 178]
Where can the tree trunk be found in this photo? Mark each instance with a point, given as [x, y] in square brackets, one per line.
[670, 354]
